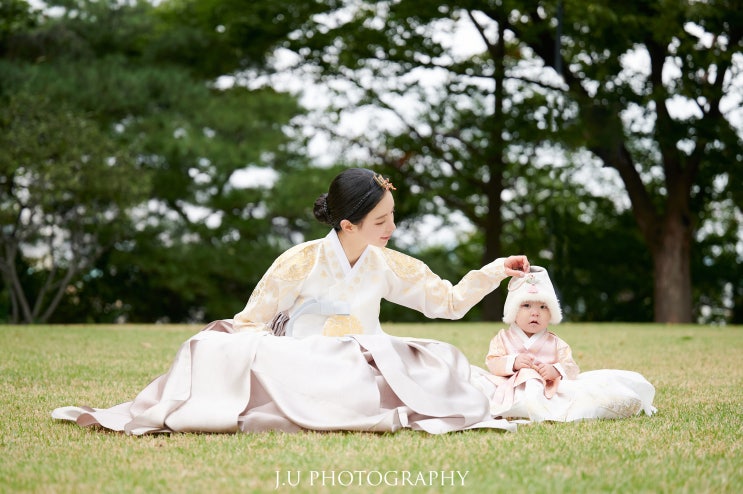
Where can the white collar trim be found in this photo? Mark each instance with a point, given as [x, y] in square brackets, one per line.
[341, 254]
[527, 340]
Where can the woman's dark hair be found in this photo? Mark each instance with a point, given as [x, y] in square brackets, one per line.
[352, 194]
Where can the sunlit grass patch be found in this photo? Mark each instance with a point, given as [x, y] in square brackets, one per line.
[693, 444]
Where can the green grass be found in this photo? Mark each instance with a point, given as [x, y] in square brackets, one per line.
[692, 445]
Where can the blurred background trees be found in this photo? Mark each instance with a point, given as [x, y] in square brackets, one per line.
[156, 158]
[117, 110]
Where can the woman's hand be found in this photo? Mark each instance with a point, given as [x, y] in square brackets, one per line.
[516, 265]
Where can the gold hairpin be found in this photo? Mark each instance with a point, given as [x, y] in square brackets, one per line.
[383, 182]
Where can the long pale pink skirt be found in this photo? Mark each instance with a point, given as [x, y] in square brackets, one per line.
[250, 382]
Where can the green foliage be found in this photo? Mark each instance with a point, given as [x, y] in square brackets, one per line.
[218, 36]
[198, 239]
[65, 187]
[15, 17]
[488, 134]
[585, 242]
[469, 126]
[208, 38]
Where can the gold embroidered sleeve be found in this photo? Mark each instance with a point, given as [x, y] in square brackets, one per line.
[414, 285]
[405, 267]
[278, 289]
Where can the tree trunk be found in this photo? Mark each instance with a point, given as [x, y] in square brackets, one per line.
[21, 310]
[492, 308]
[672, 274]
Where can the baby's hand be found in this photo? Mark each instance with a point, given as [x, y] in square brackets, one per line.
[523, 360]
[547, 371]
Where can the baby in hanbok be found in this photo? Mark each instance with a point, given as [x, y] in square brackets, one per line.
[535, 375]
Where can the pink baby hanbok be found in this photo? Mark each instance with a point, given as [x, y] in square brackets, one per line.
[572, 395]
[598, 394]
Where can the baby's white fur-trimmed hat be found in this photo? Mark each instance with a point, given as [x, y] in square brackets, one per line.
[534, 286]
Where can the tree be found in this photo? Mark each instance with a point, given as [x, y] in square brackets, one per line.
[458, 132]
[63, 187]
[668, 162]
[469, 141]
[135, 83]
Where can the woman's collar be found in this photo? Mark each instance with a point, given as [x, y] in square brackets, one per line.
[341, 254]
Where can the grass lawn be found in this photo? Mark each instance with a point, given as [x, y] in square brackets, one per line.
[693, 445]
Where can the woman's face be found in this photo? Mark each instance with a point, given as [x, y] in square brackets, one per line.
[377, 226]
[532, 317]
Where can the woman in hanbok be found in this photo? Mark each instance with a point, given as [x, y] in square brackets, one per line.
[308, 351]
[535, 376]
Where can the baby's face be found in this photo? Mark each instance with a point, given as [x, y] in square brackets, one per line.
[532, 317]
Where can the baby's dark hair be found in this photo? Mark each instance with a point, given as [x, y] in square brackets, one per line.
[352, 194]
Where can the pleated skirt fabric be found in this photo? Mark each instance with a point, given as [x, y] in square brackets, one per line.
[225, 382]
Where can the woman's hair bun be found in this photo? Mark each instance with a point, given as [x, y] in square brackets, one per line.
[321, 210]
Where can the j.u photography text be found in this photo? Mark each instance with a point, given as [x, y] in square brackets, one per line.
[372, 478]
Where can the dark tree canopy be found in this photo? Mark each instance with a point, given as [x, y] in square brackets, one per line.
[605, 146]
[645, 88]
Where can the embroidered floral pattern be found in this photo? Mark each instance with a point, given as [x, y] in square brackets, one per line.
[342, 325]
[297, 266]
[403, 266]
